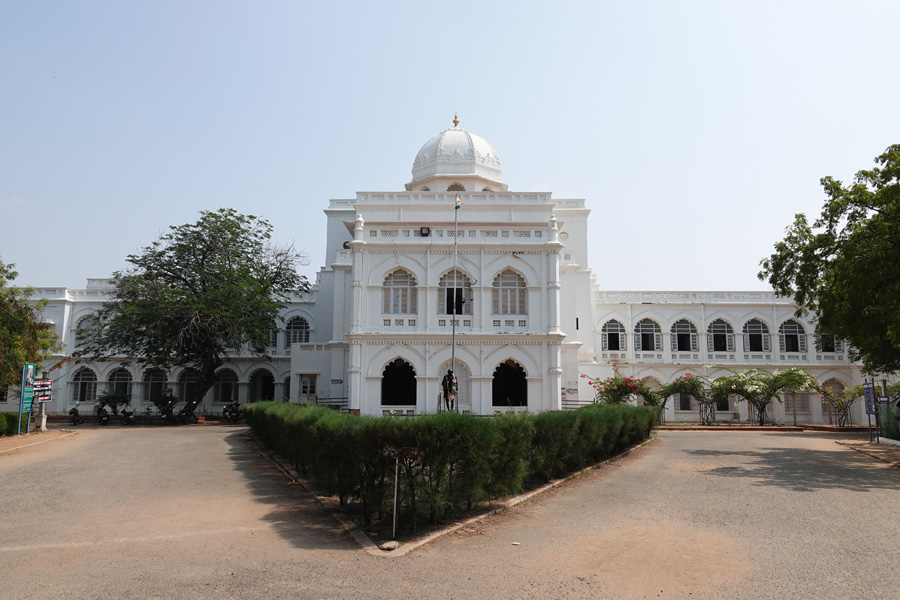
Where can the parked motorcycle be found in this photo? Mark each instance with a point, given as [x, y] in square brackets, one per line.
[167, 413]
[127, 416]
[102, 414]
[186, 415]
[75, 416]
[233, 413]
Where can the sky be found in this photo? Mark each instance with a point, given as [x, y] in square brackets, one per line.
[695, 131]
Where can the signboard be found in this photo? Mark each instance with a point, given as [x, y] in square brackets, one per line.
[43, 390]
[870, 406]
[27, 387]
[883, 400]
[337, 381]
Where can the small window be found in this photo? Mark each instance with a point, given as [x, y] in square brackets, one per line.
[226, 386]
[684, 336]
[455, 294]
[612, 336]
[399, 294]
[756, 336]
[792, 337]
[296, 332]
[509, 294]
[720, 337]
[647, 336]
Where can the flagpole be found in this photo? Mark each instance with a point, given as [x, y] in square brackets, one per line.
[455, 309]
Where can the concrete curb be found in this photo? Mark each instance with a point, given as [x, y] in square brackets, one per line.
[372, 548]
[895, 464]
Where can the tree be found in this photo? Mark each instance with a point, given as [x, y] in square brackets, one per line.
[705, 392]
[759, 387]
[845, 268]
[201, 293]
[24, 338]
[840, 401]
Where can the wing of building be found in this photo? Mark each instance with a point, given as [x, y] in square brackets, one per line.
[456, 272]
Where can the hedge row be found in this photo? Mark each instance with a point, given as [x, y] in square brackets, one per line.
[9, 422]
[449, 462]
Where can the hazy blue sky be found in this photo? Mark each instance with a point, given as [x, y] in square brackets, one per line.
[694, 130]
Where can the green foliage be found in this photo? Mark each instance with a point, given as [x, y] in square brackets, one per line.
[113, 400]
[841, 401]
[890, 426]
[23, 336]
[845, 267]
[10, 423]
[449, 462]
[619, 389]
[202, 292]
[759, 387]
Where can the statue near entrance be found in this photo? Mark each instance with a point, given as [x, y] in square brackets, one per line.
[450, 390]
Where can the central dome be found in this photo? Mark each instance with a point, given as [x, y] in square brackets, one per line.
[456, 153]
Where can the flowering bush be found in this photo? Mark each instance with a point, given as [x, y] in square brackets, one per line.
[618, 389]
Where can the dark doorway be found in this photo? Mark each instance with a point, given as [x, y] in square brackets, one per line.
[509, 387]
[398, 384]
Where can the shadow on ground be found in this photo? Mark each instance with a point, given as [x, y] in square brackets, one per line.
[805, 470]
[295, 514]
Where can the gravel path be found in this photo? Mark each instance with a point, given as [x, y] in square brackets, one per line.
[191, 512]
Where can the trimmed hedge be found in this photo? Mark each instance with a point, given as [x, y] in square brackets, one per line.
[449, 462]
[9, 422]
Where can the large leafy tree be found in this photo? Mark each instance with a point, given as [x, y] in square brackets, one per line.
[24, 337]
[845, 267]
[201, 293]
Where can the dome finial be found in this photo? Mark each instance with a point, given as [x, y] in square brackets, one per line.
[455, 119]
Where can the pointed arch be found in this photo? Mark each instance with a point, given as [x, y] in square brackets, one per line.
[792, 337]
[719, 336]
[612, 335]
[647, 336]
[684, 336]
[400, 293]
[756, 336]
[296, 332]
[509, 294]
[455, 293]
[398, 384]
[509, 386]
[84, 385]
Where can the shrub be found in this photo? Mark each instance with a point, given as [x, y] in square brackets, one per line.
[2, 424]
[449, 462]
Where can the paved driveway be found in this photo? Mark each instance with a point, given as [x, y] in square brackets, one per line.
[191, 512]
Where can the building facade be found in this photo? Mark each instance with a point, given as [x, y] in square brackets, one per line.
[456, 272]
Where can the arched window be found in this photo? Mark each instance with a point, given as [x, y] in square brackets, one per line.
[756, 336]
[456, 187]
[792, 337]
[399, 296]
[119, 382]
[296, 332]
[647, 336]
[612, 335]
[84, 385]
[226, 388]
[398, 384]
[262, 386]
[189, 386]
[509, 387]
[828, 343]
[684, 337]
[84, 329]
[720, 337]
[455, 294]
[154, 384]
[508, 296]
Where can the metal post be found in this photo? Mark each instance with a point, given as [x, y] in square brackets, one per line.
[455, 308]
[396, 494]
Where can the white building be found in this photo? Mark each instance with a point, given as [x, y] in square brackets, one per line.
[375, 334]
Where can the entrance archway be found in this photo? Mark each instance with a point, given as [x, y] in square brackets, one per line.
[398, 384]
[509, 387]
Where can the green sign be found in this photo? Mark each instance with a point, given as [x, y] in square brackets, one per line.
[27, 394]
